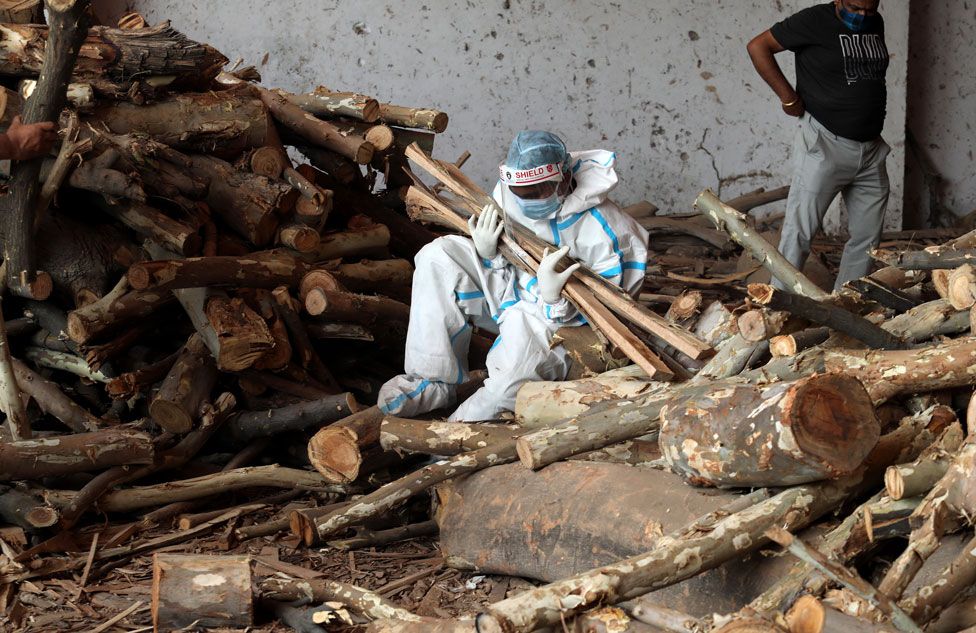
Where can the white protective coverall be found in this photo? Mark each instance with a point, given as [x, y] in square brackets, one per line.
[453, 289]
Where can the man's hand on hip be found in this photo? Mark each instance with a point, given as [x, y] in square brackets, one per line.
[795, 108]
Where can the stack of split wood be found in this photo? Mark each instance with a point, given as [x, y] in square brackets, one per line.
[207, 279]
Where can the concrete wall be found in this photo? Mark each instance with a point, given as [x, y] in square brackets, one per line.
[667, 85]
[941, 112]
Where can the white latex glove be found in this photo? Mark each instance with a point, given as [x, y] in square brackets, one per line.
[551, 282]
[485, 231]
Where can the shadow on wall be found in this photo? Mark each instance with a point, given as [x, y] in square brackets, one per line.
[940, 183]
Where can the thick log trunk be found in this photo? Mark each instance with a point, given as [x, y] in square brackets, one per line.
[821, 427]
[825, 314]
[116, 309]
[686, 552]
[263, 269]
[117, 61]
[541, 404]
[301, 416]
[131, 499]
[82, 452]
[249, 204]
[391, 494]
[298, 236]
[185, 388]
[734, 223]
[961, 287]
[68, 29]
[201, 590]
[224, 122]
[21, 509]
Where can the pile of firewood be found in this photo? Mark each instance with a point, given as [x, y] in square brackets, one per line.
[207, 279]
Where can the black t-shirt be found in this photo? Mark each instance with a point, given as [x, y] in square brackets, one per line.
[839, 73]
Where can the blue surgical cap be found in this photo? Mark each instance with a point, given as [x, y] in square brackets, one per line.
[536, 148]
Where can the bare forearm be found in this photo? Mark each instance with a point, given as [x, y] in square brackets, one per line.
[765, 63]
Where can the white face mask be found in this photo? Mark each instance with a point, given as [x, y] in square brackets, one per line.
[540, 209]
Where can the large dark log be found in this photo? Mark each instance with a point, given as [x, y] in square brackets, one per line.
[441, 438]
[821, 427]
[688, 552]
[82, 452]
[118, 62]
[185, 388]
[263, 269]
[224, 122]
[68, 21]
[335, 451]
[352, 243]
[301, 416]
[201, 591]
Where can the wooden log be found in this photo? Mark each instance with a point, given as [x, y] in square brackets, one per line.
[926, 604]
[792, 344]
[22, 11]
[287, 311]
[116, 309]
[756, 326]
[540, 404]
[262, 269]
[422, 118]
[53, 401]
[929, 259]
[385, 537]
[359, 600]
[686, 552]
[175, 235]
[373, 275]
[24, 510]
[335, 450]
[315, 130]
[821, 427]
[187, 385]
[927, 320]
[904, 481]
[391, 494]
[137, 498]
[10, 399]
[328, 104]
[879, 293]
[248, 203]
[961, 289]
[728, 219]
[354, 243]
[684, 307]
[267, 161]
[227, 122]
[758, 198]
[840, 574]
[247, 426]
[440, 438]
[340, 168]
[354, 308]
[657, 225]
[116, 62]
[78, 453]
[242, 336]
[825, 314]
[68, 28]
[128, 384]
[201, 590]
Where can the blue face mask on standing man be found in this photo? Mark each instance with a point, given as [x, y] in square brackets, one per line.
[856, 22]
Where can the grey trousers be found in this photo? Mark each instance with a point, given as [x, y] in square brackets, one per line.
[824, 165]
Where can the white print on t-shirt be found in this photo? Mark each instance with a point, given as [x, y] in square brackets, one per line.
[865, 57]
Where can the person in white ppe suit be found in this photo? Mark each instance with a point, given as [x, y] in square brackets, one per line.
[459, 283]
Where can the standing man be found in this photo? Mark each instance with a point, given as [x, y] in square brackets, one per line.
[840, 99]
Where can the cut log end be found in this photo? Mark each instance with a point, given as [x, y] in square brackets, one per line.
[39, 288]
[761, 293]
[439, 122]
[961, 289]
[303, 239]
[364, 153]
[316, 302]
[894, 483]
[42, 516]
[268, 161]
[806, 616]
[753, 326]
[381, 137]
[781, 346]
[321, 279]
[336, 455]
[170, 416]
[834, 421]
